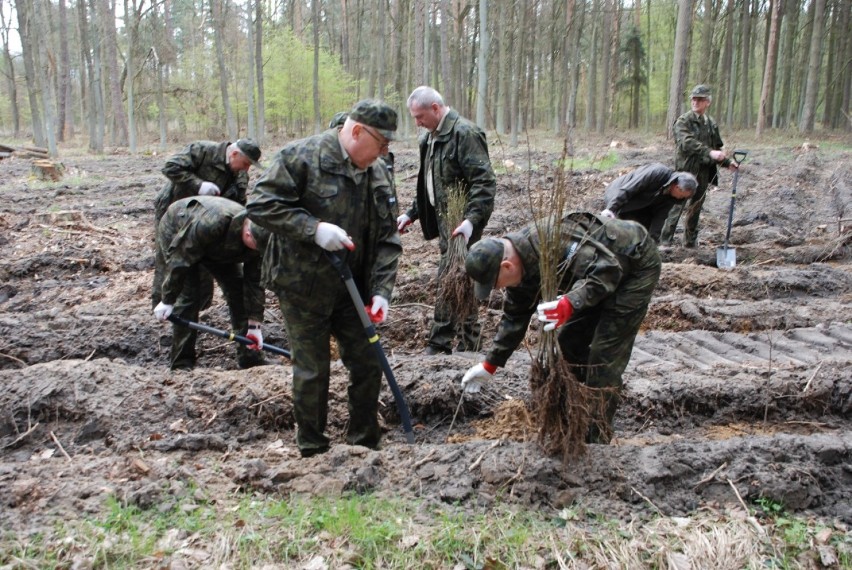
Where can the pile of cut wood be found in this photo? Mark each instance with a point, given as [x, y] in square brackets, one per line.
[43, 167]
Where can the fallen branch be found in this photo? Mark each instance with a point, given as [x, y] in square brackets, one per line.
[811, 379]
[59, 445]
[22, 436]
[476, 463]
[649, 501]
[710, 477]
[77, 232]
[426, 459]
[10, 357]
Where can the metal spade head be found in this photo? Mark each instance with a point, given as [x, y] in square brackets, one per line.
[726, 257]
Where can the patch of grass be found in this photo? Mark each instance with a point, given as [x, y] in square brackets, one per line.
[605, 162]
[370, 532]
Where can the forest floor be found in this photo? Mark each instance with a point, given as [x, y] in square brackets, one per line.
[738, 392]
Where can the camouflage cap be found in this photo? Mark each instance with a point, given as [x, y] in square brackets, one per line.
[482, 264]
[700, 91]
[376, 114]
[249, 148]
[338, 119]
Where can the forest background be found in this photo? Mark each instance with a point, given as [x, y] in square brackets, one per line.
[157, 72]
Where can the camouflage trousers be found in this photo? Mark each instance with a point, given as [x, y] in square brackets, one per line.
[598, 342]
[194, 298]
[310, 322]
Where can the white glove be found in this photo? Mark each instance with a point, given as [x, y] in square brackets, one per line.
[208, 189]
[477, 375]
[378, 309]
[402, 223]
[162, 311]
[257, 337]
[332, 238]
[465, 229]
[608, 214]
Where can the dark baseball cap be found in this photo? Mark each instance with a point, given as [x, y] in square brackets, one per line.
[338, 119]
[700, 91]
[249, 148]
[376, 114]
[482, 264]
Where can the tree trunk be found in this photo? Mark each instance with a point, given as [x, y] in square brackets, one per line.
[40, 26]
[219, 16]
[806, 124]
[765, 109]
[705, 62]
[27, 48]
[503, 65]
[518, 49]
[725, 90]
[592, 73]
[10, 75]
[606, 60]
[64, 124]
[315, 80]
[446, 65]
[252, 126]
[484, 50]
[420, 76]
[260, 135]
[574, 89]
[744, 67]
[110, 59]
[679, 64]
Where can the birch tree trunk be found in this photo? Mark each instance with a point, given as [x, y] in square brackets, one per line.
[484, 50]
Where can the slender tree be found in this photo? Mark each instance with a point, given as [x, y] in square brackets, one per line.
[484, 50]
[9, 72]
[765, 110]
[806, 123]
[679, 64]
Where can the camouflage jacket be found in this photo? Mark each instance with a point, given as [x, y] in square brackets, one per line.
[643, 187]
[459, 157]
[201, 161]
[695, 136]
[311, 181]
[208, 230]
[599, 254]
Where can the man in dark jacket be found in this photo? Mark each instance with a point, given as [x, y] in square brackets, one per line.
[610, 270]
[213, 233]
[646, 195]
[453, 154]
[329, 193]
[699, 151]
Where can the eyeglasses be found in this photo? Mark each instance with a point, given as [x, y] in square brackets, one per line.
[383, 142]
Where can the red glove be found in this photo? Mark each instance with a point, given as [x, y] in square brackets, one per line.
[555, 313]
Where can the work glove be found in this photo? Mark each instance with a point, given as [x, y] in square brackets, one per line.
[377, 310]
[332, 238]
[208, 189]
[555, 313]
[477, 375]
[465, 229]
[257, 337]
[402, 223]
[162, 311]
[608, 214]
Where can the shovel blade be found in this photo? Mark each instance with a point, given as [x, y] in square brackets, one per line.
[726, 257]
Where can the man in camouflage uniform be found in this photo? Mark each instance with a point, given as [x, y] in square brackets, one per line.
[213, 233]
[453, 153]
[610, 270]
[647, 194]
[325, 194]
[204, 168]
[698, 150]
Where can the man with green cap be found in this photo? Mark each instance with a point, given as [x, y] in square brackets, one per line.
[203, 168]
[330, 193]
[213, 233]
[699, 151]
[608, 273]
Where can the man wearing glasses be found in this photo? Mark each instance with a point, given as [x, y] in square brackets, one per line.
[331, 192]
[453, 154]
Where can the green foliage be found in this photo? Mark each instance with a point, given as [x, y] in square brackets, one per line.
[289, 83]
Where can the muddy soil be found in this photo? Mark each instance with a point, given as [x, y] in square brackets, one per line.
[739, 382]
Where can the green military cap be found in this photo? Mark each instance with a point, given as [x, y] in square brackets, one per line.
[338, 119]
[483, 266]
[376, 114]
[700, 91]
[249, 148]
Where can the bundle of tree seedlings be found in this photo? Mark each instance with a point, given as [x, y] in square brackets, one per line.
[455, 287]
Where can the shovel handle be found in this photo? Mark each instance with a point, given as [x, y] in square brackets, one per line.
[740, 156]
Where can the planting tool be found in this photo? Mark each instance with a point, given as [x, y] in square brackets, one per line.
[227, 335]
[726, 257]
[401, 406]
